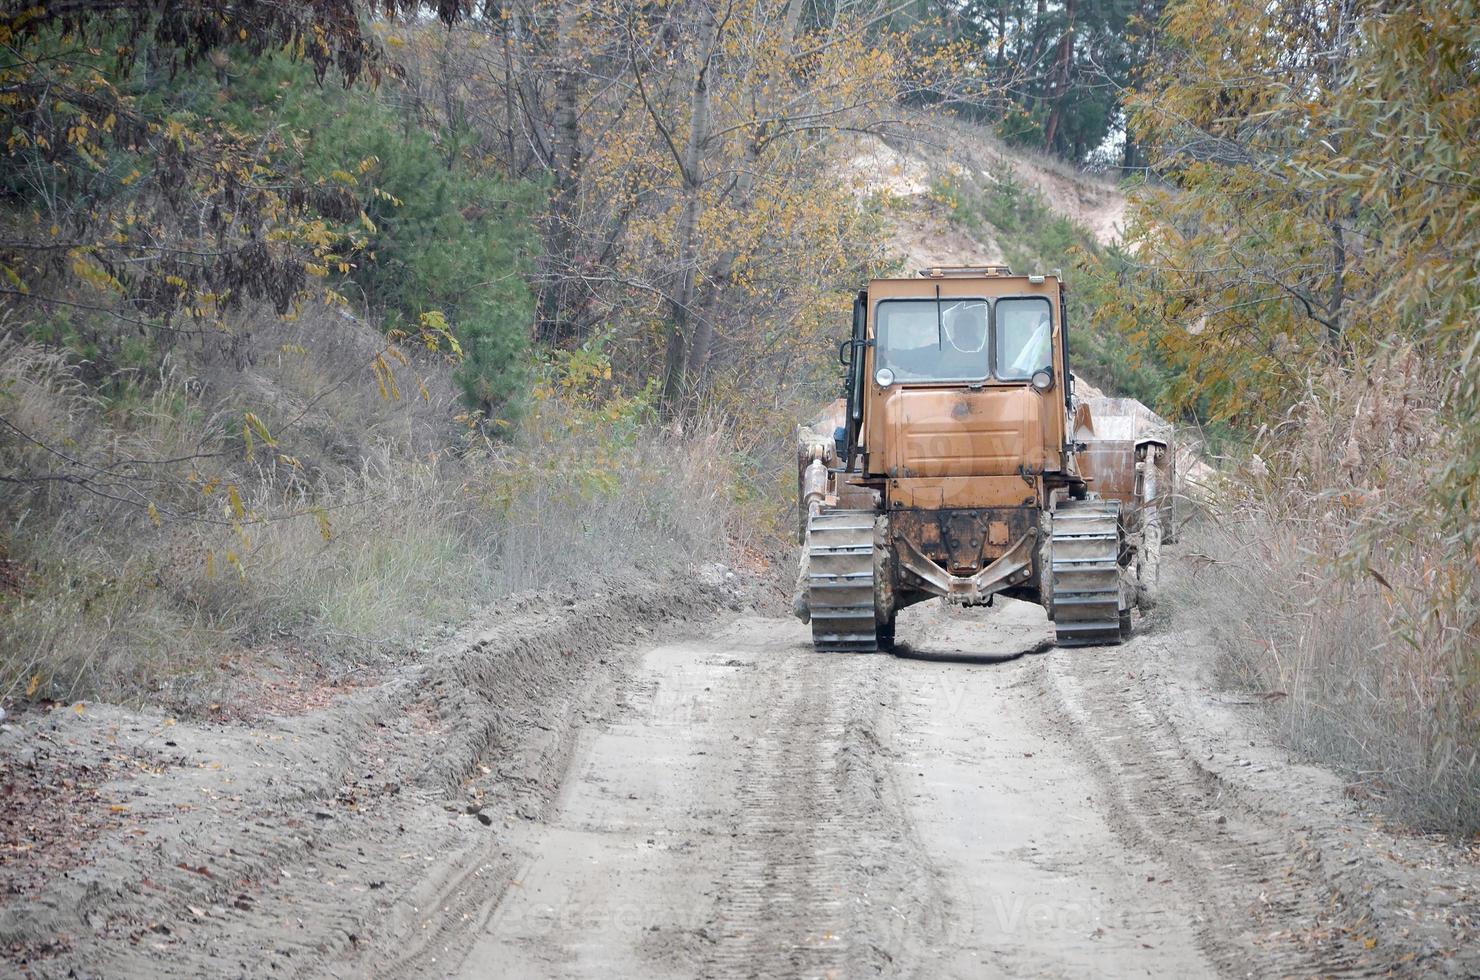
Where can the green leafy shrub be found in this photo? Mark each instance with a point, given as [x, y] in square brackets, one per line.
[436, 232]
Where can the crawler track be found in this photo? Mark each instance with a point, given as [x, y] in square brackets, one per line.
[840, 580]
[1086, 573]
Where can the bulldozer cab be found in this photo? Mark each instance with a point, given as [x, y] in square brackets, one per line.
[953, 376]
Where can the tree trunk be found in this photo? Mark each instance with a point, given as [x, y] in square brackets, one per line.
[1130, 153]
[510, 110]
[1334, 306]
[719, 274]
[1001, 34]
[681, 298]
[1061, 77]
[555, 323]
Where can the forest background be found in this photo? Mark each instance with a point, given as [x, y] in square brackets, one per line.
[323, 325]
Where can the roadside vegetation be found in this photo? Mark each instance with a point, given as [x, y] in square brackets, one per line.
[160, 557]
[323, 325]
[1303, 259]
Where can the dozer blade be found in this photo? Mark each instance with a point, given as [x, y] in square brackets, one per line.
[1086, 573]
[840, 580]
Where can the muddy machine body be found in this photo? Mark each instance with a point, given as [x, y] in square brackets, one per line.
[959, 466]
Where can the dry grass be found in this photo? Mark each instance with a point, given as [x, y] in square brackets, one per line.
[660, 498]
[1338, 596]
[978, 145]
[368, 529]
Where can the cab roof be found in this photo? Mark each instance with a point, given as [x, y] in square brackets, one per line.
[959, 280]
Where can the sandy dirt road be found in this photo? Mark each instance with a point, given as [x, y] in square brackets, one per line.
[760, 809]
[981, 806]
[653, 783]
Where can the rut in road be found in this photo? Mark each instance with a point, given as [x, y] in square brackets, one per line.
[819, 844]
[736, 814]
[1259, 890]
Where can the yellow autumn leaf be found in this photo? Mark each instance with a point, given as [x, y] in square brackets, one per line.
[258, 427]
[322, 517]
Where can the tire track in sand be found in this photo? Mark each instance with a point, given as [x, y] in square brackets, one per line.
[827, 878]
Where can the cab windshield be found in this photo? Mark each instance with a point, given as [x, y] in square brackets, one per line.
[926, 340]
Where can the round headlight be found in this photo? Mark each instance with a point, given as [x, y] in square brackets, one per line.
[1043, 380]
[884, 377]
